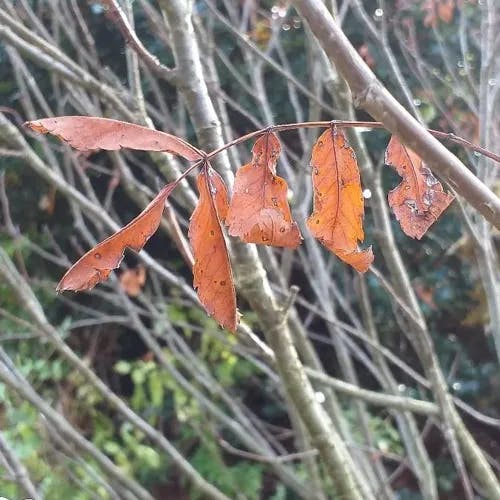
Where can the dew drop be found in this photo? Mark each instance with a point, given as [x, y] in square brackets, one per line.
[411, 204]
[379, 13]
[282, 229]
[319, 397]
[212, 233]
[430, 180]
[367, 194]
[97, 255]
[316, 171]
[223, 283]
[427, 197]
[320, 144]
[492, 82]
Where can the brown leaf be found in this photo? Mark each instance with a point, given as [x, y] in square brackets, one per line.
[446, 9]
[430, 18]
[338, 200]
[213, 278]
[89, 133]
[259, 210]
[132, 280]
[419, 200]
[47, 201]
[364, 52]
[438, 9]
[96, 265]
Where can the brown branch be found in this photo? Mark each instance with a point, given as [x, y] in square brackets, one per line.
[353, 124]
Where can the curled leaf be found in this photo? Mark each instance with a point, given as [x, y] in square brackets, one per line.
[259, 210]
[337, 217]
[213, 278]
[87, 133]
[419, 200]
[96, 265]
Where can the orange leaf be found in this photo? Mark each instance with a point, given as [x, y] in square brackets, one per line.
[213, 278]
[96, 265]
[259, 211]
[338, 200]
[419, 200]
[132, 280]
[88, 133]
[445, 10]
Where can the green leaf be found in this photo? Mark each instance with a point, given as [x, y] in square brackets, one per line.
[122, 367]
[156, 388]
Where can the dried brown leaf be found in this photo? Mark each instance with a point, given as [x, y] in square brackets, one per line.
[96, 265]
[338, 200]
[87, 133]
[213, 277]
[419, 200]
[259, 210]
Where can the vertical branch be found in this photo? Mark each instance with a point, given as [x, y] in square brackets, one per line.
[372, 96]
[251, 277]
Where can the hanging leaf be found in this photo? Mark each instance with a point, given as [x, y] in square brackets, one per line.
[259, 210]
[96, 265]
[87, 133]
[419, 200]
[213, 278]
[132, 280]
[338, 212]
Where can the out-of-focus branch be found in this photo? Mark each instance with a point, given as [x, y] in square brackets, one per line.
[117, 15]
[34, 309]
[12, 380]
[19, 471]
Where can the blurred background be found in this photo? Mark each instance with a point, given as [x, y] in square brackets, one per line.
[130, 390]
